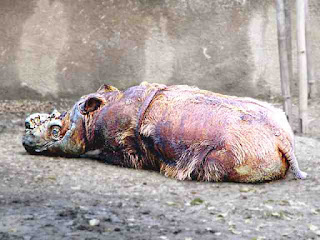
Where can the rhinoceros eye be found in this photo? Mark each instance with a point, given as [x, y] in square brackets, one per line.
[55, 132]
[37, 120]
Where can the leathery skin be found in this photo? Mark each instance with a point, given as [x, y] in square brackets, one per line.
[182, 131]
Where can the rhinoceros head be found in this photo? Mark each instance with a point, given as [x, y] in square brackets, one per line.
[64, 134]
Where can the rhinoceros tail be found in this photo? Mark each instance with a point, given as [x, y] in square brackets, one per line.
[293, 163]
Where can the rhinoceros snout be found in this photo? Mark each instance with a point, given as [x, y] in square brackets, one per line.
[29, 143]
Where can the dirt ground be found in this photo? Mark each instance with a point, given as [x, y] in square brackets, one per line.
[60, 198]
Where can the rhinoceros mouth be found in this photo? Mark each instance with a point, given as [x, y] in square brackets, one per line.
[44, 147]
[41, 150]
[34, 148]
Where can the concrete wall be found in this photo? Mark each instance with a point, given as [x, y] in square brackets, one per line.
[67, 48]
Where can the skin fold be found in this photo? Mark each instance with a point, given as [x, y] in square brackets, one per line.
[181, 131]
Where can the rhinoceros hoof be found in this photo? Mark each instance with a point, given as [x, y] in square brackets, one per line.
[301, 175]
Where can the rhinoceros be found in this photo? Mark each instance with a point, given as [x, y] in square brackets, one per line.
[181, 131]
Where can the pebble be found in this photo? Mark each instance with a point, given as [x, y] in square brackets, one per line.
[28, 217]
[244, 189]
[94, 222]
[164, 237]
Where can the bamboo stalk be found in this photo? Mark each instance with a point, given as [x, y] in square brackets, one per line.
[302, 66]
[287, 14]
[283, 58]
[311, 79]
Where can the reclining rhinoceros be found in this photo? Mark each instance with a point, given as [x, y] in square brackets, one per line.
[181, 131]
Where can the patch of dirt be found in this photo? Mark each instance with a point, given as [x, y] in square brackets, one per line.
[59, 198]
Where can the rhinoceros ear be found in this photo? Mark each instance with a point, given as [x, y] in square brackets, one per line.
[55, 113]
[90, 105]
[107, 88]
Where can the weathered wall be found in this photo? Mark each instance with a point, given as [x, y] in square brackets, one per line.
[66, 48]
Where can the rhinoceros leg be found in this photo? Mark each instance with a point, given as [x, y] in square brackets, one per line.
[286, 147]
[223, 163]
[294, 166]
[194, 164]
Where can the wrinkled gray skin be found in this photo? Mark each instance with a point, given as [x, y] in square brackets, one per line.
[68, 134]
[64, 134]
[43, 134]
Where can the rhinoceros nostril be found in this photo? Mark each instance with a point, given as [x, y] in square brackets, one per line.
[27, 125]
[28, 143]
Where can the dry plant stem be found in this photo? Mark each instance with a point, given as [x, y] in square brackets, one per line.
[302, 66]
[311, 79]
[284, 52]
